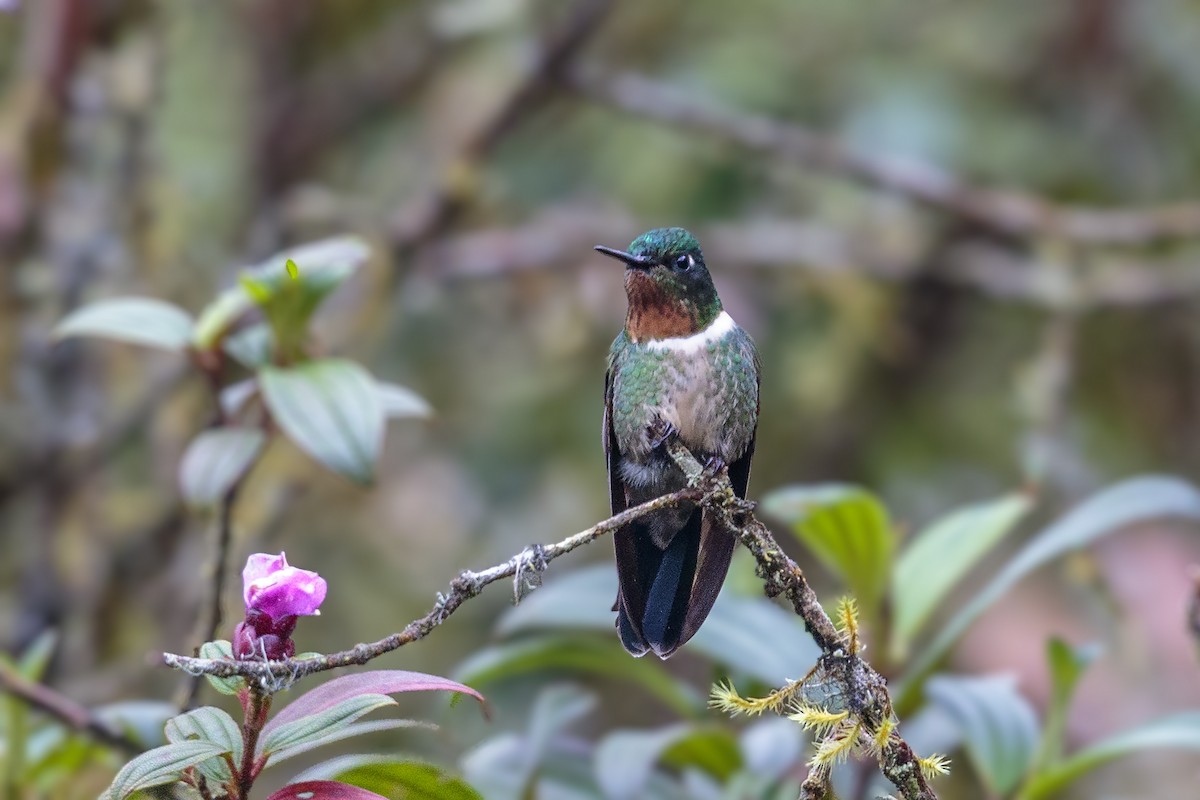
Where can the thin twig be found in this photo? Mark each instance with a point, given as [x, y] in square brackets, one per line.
[209, 621]
[464, 587]
[1007, 212]
[75, 716]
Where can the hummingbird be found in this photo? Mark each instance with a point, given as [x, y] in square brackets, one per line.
[680, 367]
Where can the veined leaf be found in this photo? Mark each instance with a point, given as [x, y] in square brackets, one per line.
[314, 727]
[161, 765]
[221, 649]
[998, 724]
[138, 320]
[847, 529]
[935, 560]
[347, 732]
[371, 682]
[213, 725]
[216, 460]
[331, 409]
[1175, 731]
[1111, 510]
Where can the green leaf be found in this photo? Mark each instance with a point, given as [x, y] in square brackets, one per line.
[219, 318]
[160, 765]
[939, 556]
[331, 410]
[252, 347]
[222, 649]
[35, 659]
[400, 401]
[213, 725]
[1175, 731]
[1067, 665]
[320, 725]
[625, 759]
[752, 636]
[1111, 510]
[349, 732]
[602, 658]
[998, 724]
[847, 529]
[409, 780]
[215, 461]
[289, 300]
[139, 320]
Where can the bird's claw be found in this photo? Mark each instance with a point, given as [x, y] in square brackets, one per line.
[713, 465]
[659, 431]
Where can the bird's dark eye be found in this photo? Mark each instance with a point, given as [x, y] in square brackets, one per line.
[683, 262]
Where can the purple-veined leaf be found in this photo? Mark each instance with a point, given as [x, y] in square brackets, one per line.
[215, 461]
[331, 409]
[138, 320]
[324, 790]
[382, 681]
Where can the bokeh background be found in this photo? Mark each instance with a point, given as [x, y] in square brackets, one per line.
[893, 199]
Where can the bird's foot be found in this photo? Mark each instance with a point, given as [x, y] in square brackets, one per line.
[659, 431]
[713, 466]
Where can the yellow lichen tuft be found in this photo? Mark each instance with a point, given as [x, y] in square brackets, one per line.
[884, 733]
[726, 698]
[934, 765]
[812, 718]
[847, 622]
[837, 746]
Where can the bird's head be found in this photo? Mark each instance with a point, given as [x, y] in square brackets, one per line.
[670, 291]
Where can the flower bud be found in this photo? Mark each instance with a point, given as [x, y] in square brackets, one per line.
[276, 594]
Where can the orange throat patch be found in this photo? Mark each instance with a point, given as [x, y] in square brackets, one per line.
[654, 313]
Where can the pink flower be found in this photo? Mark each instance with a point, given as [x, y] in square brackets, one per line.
[279, 590]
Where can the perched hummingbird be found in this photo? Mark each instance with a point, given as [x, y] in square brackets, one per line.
[681, 366]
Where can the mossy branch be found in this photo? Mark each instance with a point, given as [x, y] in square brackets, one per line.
[864, 689]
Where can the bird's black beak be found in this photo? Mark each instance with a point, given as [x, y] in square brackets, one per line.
[637, 262]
